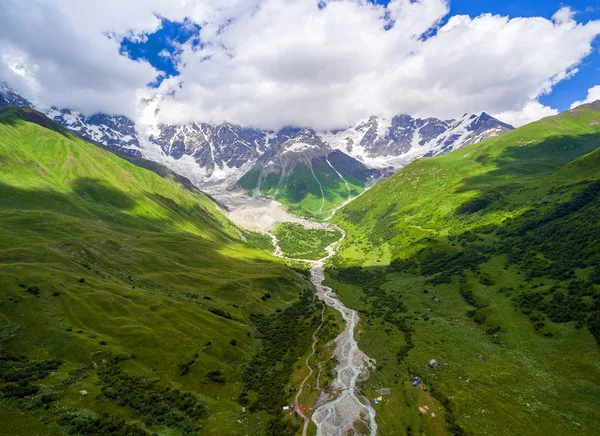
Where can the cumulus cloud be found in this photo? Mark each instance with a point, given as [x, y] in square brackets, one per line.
[532, 111]
[592, 96]
[270, 63]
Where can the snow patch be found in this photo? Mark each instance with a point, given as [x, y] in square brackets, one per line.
[298, 147]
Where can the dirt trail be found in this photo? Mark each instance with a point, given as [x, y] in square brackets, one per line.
[338, 412]
[315, 338]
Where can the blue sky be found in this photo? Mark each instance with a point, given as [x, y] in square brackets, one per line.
[172, 33]
[157, 45]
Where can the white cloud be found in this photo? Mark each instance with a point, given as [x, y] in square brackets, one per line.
[592, 96]
[270, 63]
[563, 15]
[532, 111]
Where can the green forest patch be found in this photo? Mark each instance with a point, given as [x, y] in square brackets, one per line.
[300, 243]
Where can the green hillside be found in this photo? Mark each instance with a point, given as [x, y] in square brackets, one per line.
[487, 260]
[310, 188]
[115, 314]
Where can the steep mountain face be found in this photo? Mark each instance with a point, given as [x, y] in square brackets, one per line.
[306, 174]
[115, 132]
[9, 96]
[382, 142]
[218, 154]
[485, 259]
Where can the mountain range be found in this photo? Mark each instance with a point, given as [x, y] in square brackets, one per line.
[221, 157]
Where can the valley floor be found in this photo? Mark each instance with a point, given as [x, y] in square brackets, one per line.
[342, 407]
[260, 214]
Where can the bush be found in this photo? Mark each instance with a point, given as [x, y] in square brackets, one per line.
[33, 290]
[492, 330]
[19, 390]
[14, 369]
[214, 377]
[186, 367]
[594, 325]
[220, 313]
[158, 406]
[284, 338]
[48, 398]
[104, 425]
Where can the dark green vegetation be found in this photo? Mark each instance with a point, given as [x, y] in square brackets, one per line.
[486, 259]
[286, 335]
[116, 316]
[297, 242]
[310, 187]
[332, 327]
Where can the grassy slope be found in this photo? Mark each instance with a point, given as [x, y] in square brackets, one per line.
[300, 190]
[152, 255]
[476, 201]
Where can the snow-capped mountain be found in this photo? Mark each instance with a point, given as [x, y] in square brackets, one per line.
[215, 156]
[305, 173]
[115, 132]
[9, 96]
[381, 142]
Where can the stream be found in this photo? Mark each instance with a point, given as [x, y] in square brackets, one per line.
[338, 410]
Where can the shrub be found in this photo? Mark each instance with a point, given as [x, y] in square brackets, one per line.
[19, 390]
[157, 406]
[215, 377]
[33, 290]
[14, 369]
[479, 319]
[104, 425]
[594, 325]
[492, 330]
[220, 312]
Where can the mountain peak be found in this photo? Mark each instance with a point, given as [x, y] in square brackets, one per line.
[9, 96]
